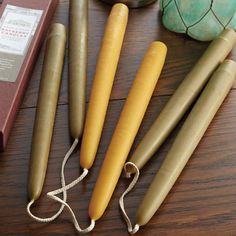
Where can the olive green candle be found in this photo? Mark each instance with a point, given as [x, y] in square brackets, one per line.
[78, 34]
[182, 99]
[46, 109]
[187, 140]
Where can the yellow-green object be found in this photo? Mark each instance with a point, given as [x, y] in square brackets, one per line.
[46, 109]
[78, 46]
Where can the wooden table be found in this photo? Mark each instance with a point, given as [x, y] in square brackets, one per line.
[202, 202]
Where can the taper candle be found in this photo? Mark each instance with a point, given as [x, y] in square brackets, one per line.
[78, 37]
[182, 99]
[46, 108]
[45, 114]
[187, 140]
[127, 128]
[102, 84]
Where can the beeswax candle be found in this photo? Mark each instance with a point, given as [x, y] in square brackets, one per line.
[46, 109]
[127, 128]
[102, 84]
[182, 99]
[187, 140]
[78, 34]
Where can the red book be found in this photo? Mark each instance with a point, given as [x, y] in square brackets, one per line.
[23, 27]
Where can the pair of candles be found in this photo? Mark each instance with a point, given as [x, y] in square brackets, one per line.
[48, 97]
[187, 140]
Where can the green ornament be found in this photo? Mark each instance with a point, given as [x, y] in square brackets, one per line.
[203, 20]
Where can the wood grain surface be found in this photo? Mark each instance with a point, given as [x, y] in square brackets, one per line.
[202, 202]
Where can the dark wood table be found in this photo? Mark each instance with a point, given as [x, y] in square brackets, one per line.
[202, 202]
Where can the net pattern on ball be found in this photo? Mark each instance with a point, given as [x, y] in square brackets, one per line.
[165, 3]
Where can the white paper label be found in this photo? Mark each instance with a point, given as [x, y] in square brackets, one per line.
[17, 26]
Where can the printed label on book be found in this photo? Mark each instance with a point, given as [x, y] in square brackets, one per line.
[17, 28]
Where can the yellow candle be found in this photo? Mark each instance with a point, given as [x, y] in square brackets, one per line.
[127, 128]
[103, 81]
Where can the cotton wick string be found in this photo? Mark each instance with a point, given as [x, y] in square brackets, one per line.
[121, 201]
[52, 195]
[55, 198]
[63, 184]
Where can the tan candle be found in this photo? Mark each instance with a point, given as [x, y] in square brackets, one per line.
[46, 109]
[127, 128]
[78, 47]
[187, 140]
[182, 99]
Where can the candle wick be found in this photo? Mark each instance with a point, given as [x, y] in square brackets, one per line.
[121, 201]
[53, 196]
[135, 229]
[64, 189]
[43, 220]
[61, 190]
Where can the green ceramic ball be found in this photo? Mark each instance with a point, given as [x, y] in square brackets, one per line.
[203, 20]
